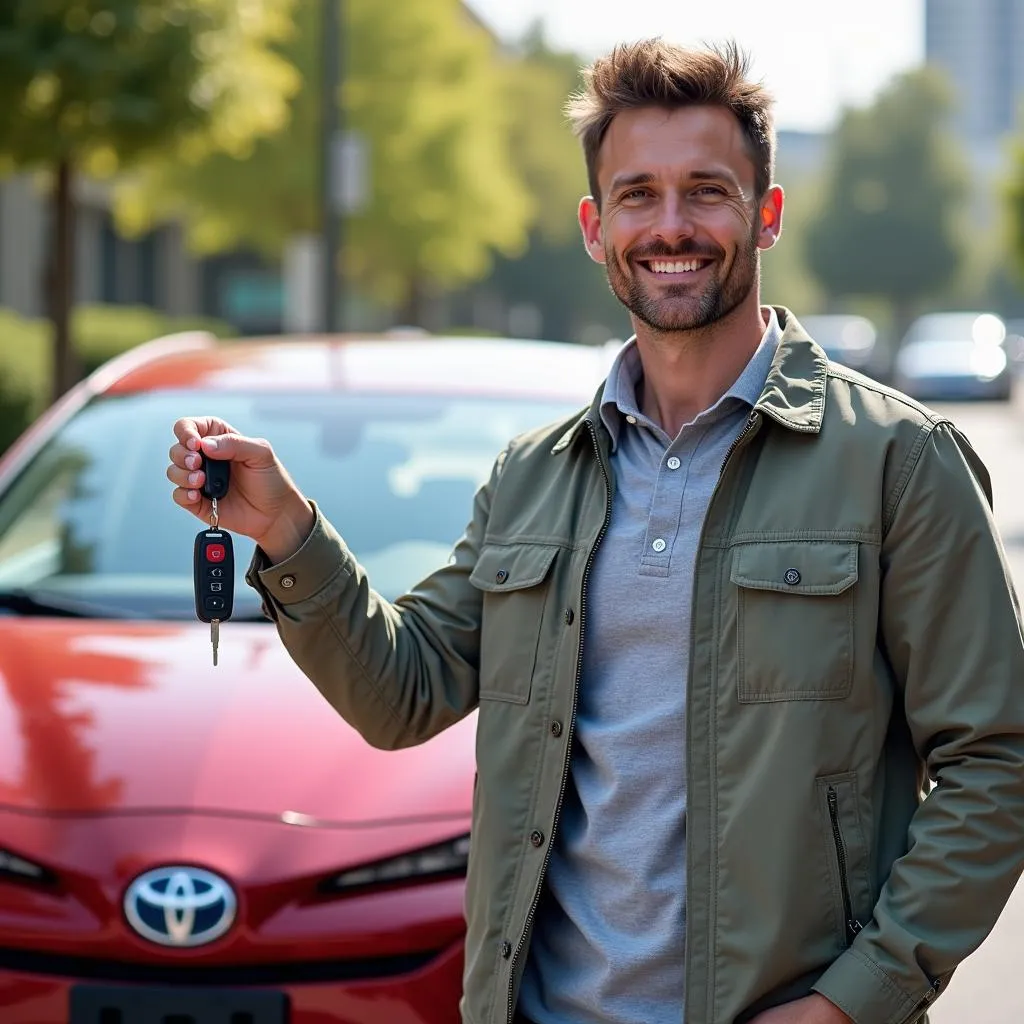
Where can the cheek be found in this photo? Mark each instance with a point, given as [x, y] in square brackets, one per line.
[625, 231]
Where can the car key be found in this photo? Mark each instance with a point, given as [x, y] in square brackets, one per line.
[217, 476]
[213, 558]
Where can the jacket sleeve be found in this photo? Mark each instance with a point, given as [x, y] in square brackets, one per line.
[950, 626]
[400, 672]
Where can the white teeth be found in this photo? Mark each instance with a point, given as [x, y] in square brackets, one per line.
[675, 267]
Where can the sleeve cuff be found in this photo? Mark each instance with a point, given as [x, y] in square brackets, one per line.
[866, 994]
[322, 556]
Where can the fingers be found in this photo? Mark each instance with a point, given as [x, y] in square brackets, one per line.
[181, 457]
[189, 430]
[191, 499]
[207, 435]
[186, 478]
[253, 452]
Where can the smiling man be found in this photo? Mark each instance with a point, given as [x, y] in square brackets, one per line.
[719, 628]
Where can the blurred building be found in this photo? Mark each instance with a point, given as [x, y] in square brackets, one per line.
[156, 270]
[979, 44]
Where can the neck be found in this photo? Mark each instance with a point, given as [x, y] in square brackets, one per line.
[686, 372]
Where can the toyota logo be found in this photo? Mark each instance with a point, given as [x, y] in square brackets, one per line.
[180, 906]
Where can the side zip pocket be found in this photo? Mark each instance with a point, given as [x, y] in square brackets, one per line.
[853, 926]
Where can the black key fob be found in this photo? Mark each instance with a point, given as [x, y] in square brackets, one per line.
[214, 575]
[218, 476]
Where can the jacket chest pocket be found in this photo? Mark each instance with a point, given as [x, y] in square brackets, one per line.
[794, 620]
[514, 579]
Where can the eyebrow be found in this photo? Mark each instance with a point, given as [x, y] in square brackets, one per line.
[631, 180]
[647, 178]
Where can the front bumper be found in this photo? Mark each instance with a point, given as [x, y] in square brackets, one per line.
[422, 989]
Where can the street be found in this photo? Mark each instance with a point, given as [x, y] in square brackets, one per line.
[984, 989]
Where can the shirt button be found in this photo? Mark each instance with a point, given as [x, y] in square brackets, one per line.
[287, 582]
[792, 577]
[659, 545]
[537, 838]
[631, 419]
[501, 575]
[674, 463]
[556, 728]
[506, 950]
[570, 615]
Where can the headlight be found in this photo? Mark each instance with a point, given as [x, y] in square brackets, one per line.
[442, 861]
[17, 868]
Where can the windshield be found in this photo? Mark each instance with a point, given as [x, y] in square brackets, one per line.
[90, 518]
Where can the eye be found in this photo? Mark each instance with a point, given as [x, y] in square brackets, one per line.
[635, 193]
[710, 190]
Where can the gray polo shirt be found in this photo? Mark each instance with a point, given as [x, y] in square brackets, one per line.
[609, 936]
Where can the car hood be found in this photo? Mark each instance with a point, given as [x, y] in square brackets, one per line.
[102, 717]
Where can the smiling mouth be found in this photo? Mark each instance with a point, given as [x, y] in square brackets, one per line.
[677, 268]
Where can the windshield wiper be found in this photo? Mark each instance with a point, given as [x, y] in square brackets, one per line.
[22, 601]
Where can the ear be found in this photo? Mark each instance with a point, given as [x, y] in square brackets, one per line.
[770, 217]
[590, 224]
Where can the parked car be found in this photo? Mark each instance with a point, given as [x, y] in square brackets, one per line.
[951, 356]
[849, 340]
[180, 842]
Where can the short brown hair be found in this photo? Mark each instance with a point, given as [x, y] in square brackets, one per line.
[653, 73]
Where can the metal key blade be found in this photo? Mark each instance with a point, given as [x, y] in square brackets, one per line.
[215, 637]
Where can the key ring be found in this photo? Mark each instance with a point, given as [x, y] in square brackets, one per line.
[214, 515]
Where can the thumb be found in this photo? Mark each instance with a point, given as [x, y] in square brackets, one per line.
[249, 451]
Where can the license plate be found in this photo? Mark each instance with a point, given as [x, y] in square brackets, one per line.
[142, 1004]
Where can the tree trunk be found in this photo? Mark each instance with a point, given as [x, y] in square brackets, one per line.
[904, 309]
[61, 274]
[413, 310]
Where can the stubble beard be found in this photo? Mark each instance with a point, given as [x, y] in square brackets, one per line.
[676, 307]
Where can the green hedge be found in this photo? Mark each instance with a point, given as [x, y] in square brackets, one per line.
[100, 333]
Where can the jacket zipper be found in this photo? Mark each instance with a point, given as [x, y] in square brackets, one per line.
[853, 926]
[922, 1004]
[572, 722]
[748, 428]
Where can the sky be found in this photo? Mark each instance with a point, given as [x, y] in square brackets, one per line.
[816, 56]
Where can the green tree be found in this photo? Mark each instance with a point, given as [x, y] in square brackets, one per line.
[1012, 195]
[554, 276]
[90, 85]
[887, 224]
[423, 88]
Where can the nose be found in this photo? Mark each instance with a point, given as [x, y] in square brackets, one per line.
[673, 221]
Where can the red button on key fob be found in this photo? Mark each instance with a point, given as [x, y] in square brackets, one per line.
[215, 552]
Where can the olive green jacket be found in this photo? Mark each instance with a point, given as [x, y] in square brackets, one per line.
[854, 633]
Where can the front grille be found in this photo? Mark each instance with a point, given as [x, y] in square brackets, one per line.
[85, 968]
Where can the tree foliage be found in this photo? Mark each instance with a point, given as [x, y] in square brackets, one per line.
[887, 224]
[99, 82]
[424, 89]
[554, 276]
[90, 85]
[1013, 204]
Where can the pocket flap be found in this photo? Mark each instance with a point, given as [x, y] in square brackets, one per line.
[796, 567]
[504, 567]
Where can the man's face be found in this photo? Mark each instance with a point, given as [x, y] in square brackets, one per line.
[679, 226]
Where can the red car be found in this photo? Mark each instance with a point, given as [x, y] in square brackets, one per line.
[198, 845]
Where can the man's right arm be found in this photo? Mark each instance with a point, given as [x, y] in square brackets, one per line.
[399, 672]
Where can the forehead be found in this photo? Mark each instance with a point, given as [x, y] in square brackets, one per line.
[672, 143]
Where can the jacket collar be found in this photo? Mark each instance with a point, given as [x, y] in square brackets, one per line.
[793, 395]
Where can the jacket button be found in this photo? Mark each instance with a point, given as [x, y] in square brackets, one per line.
[537, 838]
[501, 575]
[506, 950]
[287, 582]
[792, 577]
[570, 615]
[556, 728]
